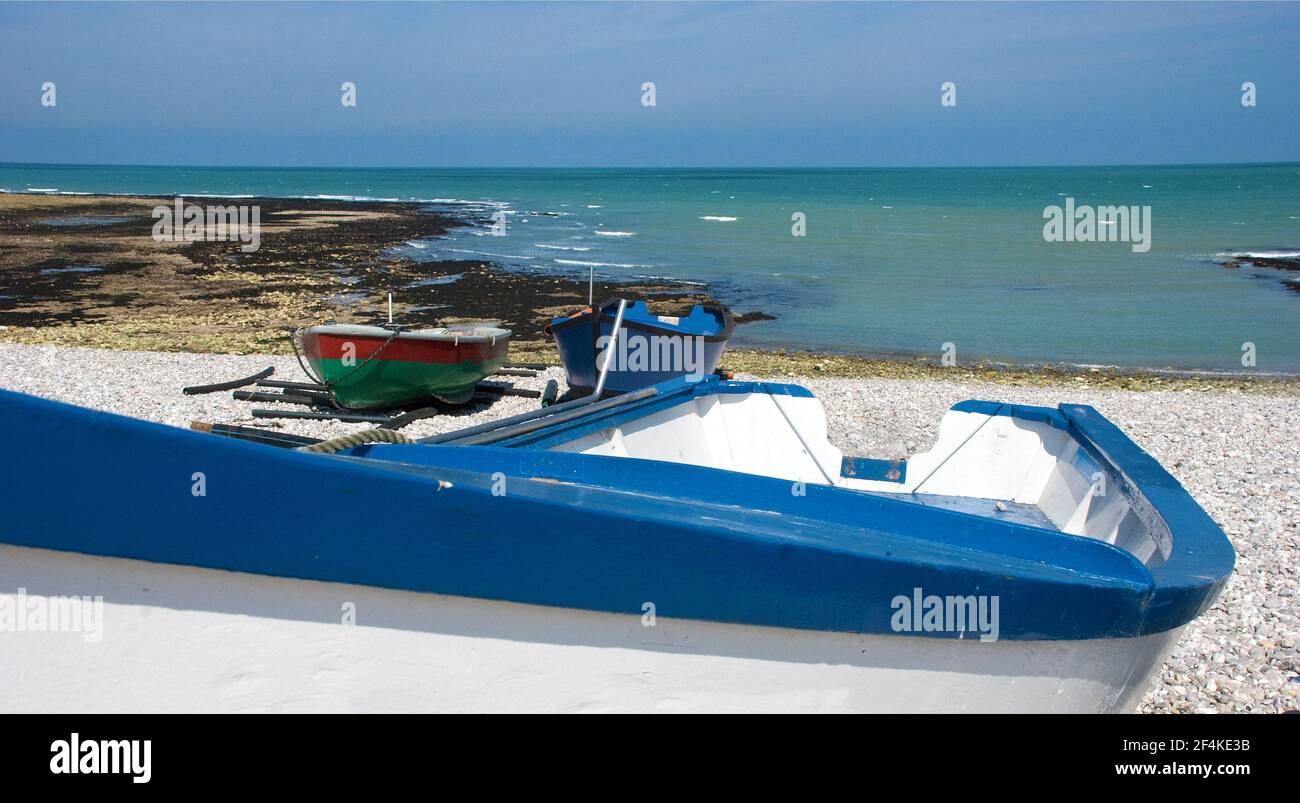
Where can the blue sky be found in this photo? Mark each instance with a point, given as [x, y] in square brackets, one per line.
[767, 84]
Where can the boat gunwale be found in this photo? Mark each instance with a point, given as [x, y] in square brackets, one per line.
[654, 326]
[434, 335]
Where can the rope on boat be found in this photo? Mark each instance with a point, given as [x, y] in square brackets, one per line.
[335, 445]
[395, 329]
[293, 341]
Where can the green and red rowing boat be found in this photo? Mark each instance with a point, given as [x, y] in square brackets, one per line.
[370, 366]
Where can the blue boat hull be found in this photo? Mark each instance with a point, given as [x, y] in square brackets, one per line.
[702, 337]
[583, 532]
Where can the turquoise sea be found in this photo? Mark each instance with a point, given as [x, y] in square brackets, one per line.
[894, 261]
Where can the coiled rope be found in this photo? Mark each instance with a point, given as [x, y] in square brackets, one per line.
[335, 445]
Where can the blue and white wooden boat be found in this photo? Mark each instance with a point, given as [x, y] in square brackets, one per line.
[693, 546]
[652, 348]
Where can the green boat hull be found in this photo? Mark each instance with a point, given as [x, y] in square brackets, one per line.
[388, 383]
[367, 367]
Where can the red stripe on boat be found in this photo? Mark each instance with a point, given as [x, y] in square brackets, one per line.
[402, 349]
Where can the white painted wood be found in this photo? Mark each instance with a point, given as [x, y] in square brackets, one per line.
[185, 639]
[976, 456]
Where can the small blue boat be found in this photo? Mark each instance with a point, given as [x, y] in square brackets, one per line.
[688, 546]
[650, 348]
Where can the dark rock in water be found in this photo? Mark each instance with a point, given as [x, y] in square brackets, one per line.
[1281, 263]
[1281, 259]
[751, 317]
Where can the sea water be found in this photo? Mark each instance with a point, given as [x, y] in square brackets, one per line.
[865, 261]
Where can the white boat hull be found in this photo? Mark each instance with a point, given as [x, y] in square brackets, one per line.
[178, 638]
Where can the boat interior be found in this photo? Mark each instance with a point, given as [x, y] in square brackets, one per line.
[1006, 462]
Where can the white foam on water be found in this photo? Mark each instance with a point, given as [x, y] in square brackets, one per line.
[42, 189]
[563, 247]
[672, 279]
[487, 253]
[585, 264]
[414, 244]
[616, 233]
[359, 198]
[464, 202]
[719, 218]
[1262, 254]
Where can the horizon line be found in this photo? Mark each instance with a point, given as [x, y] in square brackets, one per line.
[652, 167]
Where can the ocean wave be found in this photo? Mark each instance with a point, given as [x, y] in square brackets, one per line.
[358, 198]
[615, 233]
[563, 247]
[719, 218]
[414, 244]
[463, 202]
[673, 279]
[584, 264]
[1261, 255]
[488, 254]
[204, 193]
[595, 206]
[469, 204]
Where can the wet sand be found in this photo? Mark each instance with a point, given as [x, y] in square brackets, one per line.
[86, 271]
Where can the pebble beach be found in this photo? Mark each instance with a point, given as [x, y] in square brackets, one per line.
[1234, 452]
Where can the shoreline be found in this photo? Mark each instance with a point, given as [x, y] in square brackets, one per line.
[109, 285]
